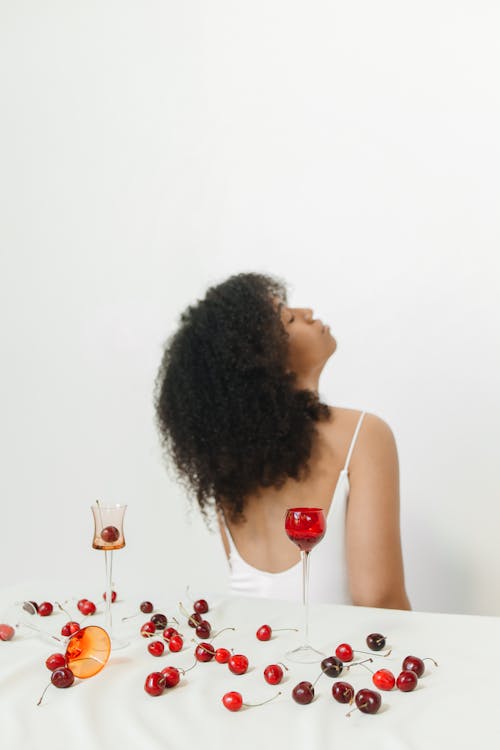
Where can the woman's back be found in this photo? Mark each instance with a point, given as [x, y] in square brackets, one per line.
[274, 570]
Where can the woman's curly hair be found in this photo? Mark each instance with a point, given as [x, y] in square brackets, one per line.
[227, 410]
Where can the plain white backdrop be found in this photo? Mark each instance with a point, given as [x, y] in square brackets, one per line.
[150, 149]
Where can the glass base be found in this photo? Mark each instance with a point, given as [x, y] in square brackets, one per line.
[305, 654]
[118, 643]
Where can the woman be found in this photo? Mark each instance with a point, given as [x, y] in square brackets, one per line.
[239, 414]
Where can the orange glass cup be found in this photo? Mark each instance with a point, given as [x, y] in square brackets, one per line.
[88, 651]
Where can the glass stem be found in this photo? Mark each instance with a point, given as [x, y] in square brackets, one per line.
[305, 594]
[109, 573]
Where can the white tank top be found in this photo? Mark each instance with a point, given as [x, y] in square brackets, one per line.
[327, 561]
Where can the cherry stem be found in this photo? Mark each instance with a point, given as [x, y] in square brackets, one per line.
[317, 678]
[41, 697]
[219, 632]
[129, 617]
[252, 705]
[186, 614]
[356, 663]
[363, 705]
[277, 630]
[377, 654]
[429, 658]
[64, 610]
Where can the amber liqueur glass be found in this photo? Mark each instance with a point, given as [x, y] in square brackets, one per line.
[305, 527]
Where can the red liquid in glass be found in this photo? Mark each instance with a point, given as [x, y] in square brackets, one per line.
[305, 527]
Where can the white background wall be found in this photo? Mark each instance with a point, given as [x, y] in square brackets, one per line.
[150, 149]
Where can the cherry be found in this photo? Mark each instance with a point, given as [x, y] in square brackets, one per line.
[169, 632]
[29, 606]
[222, 655]
[110, 534]
[146, 607]
[176, 642]
[113, 596]
[303, 692]
[264, 632]
[45, 609]
[194, 620]
[343, 692]
[238, 664]
[415, 664]
[233, 701]
[273, 674]
[203, 629]
[200, 606]
[70, 628]
[407, 681]
[148, 629]
[6, 632]
[156, 648]
[204, 652]
[368, 701]
[344, 652]
[384, 679]
[62, 677]
[55, 661]
[160, 621]
[87, 607]
[375, 641]
[172, 676]
[155, 683]
[332, 666]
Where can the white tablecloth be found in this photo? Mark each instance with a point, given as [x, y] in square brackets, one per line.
[454, 705]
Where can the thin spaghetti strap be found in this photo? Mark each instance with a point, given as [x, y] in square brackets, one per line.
[353, 441]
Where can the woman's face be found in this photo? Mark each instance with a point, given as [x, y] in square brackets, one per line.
[310, 342]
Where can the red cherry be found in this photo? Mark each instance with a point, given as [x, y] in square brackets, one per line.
[273, 674]
[222, 655]
[343, 692]
[264, 633]
[146, 607]
[169, 632]
[113, 596]
[45, 609]
[55, 661]
[238, 664]
[110, 534]
[204, 629]
[303, 692]
[87, 607]
[200, 606]
[233, 701]
[344, 652]
[172, 676]
[70, 628]
[80, 602]
[156, 648]
[384, 679]
[148, 629]
[407, 681]
[155, 683]
[204, 652]
[175, 643]
[6, 632]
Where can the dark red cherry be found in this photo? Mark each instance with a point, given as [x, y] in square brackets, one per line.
[160, 621]
[238, 664]
[146, 607]
[110, 534]
[375, 641]
[204, 652]
[155, 683]
[62, 677]
[303, 692]
[343, 692]
[407, 681]
[204, 629]
[194, 620]
[368, 701]
[169, 632]
[415, 664]
[200, 606]
[332, 666]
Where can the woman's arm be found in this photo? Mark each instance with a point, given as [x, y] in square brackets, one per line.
[374, 558]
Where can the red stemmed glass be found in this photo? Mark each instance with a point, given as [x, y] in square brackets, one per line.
[305, 527]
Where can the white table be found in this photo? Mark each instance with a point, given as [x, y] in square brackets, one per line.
[454, 705]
